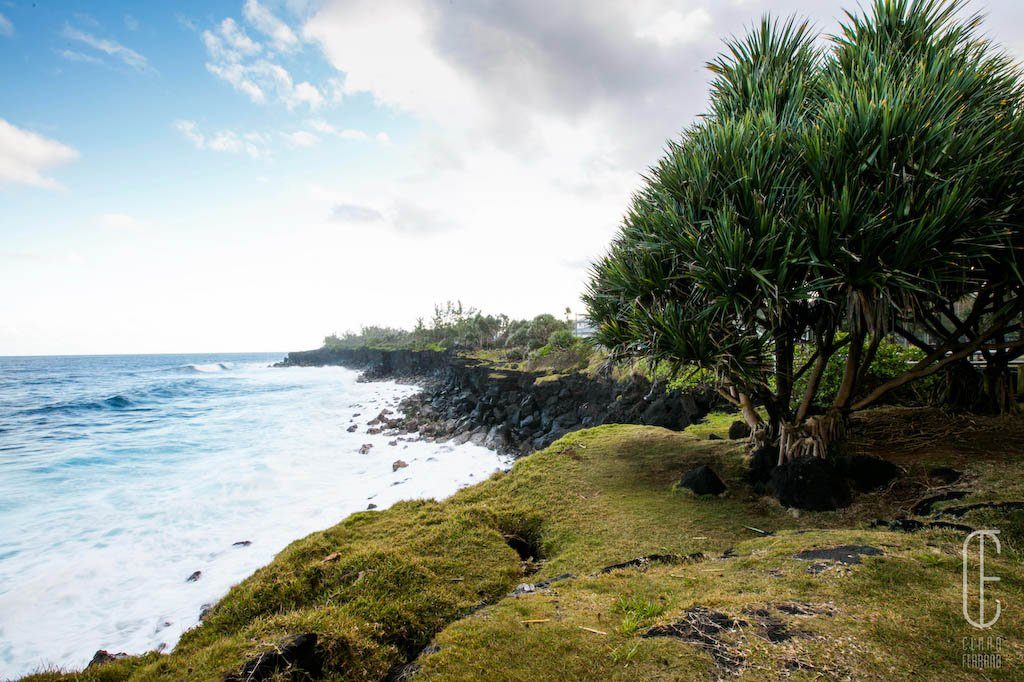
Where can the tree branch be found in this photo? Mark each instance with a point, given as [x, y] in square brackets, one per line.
[929, 366]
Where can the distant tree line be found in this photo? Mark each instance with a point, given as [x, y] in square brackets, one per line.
[456, 326]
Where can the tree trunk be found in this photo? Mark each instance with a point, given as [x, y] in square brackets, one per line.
[963, 387]
[813, 437]
[988, 391]
[1000, 397]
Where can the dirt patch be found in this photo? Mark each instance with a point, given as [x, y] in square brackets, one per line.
[844, 554]
[770, 627]
[648, 559]
[802, 608]
[705, 628]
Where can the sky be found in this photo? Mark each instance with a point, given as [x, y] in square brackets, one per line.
[244, 175]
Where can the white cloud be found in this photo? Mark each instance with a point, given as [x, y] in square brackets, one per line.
[409, 216]
[24, 156]
[190, 130]
[349, 212]
[302, 138]
[307, 93]
[118, 221]
[351, 134]
[237, 38]
[109, 47]
[534, 122]
[255, 145]
[676, 28]
[415, 77]
[76, 56]
[6, 27]
[238, 60]
[281, 36]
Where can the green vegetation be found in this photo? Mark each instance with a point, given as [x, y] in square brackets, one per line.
[846, 192]
[454, 326]
[381, 585]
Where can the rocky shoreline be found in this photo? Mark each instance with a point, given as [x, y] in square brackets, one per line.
[513, 412]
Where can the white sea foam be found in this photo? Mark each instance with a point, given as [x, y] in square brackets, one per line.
[97, 555]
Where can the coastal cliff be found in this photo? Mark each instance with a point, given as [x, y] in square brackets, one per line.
[512, 411]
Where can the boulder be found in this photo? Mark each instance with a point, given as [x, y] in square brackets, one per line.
[196, 575]
[702, 480]
[103, 656]
[353, 428]
[365, 448]
[869, 473]
[810, 483]
[398, 464]
[762, 462]
[739, 429]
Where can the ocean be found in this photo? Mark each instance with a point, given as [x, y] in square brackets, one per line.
[122, 476]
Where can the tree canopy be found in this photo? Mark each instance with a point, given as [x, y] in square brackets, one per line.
[836, 192]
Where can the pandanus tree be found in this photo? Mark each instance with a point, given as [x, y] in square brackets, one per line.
[830, 197]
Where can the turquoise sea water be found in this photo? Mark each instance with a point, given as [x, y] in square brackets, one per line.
[120, 476]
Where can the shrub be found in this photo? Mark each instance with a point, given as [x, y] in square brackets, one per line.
[562, 339]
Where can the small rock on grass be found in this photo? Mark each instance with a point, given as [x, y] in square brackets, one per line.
[702, 480]
[739, 429]
[843, 554]
[103, 656]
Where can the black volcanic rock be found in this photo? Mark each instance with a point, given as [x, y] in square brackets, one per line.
[869, 473]
[739, 429]
[103, 656]
[810, 483]
[762, 462]
[702, 480]
[510, 411]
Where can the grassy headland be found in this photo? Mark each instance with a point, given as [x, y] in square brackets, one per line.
[381, 586]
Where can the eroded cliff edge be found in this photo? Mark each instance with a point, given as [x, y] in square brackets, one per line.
[511, 411]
